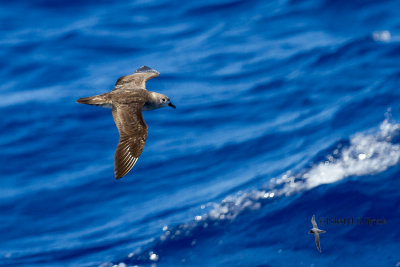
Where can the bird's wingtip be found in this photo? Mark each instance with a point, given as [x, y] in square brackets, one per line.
[117, 175]
[146, 69]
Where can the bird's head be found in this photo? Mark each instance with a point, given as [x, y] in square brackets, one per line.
[163, 101]
[158, 101]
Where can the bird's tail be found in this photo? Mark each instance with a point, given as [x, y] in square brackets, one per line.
[97, 100]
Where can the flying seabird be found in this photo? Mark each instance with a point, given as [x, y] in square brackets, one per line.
[316, 232]
[127, 100]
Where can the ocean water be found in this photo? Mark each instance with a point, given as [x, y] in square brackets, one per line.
[285, 109]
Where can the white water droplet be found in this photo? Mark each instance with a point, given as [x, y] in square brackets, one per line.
[382, 36]
[153, 256]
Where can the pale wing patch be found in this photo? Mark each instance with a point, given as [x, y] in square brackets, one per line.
[314, 223]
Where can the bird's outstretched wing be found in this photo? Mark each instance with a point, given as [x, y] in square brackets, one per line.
[133, 133]
[136, 80]
[314, 223]
[317, 241]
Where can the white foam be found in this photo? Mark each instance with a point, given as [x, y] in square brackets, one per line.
[153, 256]
[381, 36]
[367, 154]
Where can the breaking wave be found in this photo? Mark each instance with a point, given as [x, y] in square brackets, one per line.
[365, 154]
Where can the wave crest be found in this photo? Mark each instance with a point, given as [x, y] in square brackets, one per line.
[366, 154]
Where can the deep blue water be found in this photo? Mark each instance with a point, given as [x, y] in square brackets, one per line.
[285, 109]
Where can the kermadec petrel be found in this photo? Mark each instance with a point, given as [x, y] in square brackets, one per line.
[127, 100]
[316, 232]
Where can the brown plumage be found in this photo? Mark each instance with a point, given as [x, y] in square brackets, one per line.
[127, 100]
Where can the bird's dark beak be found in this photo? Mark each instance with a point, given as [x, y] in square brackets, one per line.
[171, 105]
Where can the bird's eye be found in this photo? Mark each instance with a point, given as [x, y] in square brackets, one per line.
[163, 100]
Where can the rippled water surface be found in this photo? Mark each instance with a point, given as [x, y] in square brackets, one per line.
[285, 109]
